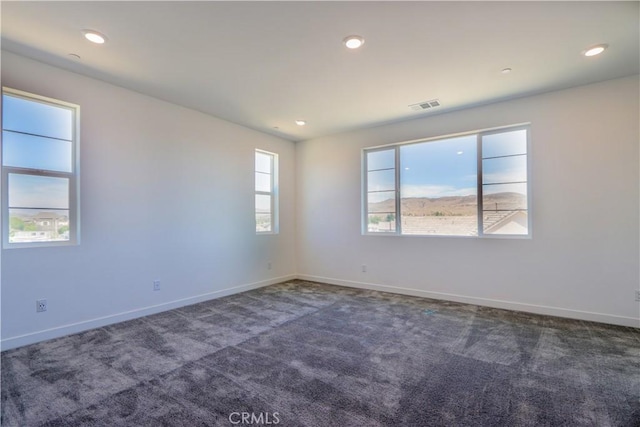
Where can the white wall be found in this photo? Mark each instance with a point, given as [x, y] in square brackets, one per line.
[583, 259]
[166, 193]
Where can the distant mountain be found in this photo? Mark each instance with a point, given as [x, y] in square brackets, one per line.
[500, 201]
[451, 205]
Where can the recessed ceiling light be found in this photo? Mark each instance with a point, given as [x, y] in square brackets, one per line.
[301, 122]
[506, 70]
[460, 152]
[353, 42]
[94, 36]
[595, 50]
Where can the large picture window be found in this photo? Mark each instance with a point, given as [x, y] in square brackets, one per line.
[266, 196]
[39, 170]
[470, 185]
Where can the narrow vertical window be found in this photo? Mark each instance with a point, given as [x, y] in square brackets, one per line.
[266, 192]
[39, 170]
[504, 183]
[381, 197]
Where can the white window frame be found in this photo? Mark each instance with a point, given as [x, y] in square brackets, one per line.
[274, 193]
[398, 201]
[73, 177]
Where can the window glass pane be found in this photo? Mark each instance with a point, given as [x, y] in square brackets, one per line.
[33, 191]
[439, 187]
[33, 152]
[381, 222]
[37, 118]
[37, 225]
[384, 159]
[263, 213]
[504, 197]
[382, 180]
[263, 162]
[263, 222]
[263, 203]
[504, 144]
[382, 202]
[505, 222]
[263, 182]
[504, 169]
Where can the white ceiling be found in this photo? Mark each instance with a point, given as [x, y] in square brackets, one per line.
[266, 64]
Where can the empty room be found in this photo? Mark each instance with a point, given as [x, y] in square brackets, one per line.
[320, 213]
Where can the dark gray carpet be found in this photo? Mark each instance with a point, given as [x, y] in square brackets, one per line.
[307, 354]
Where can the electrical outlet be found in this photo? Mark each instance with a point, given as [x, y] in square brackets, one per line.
[364, 268]
[41, 305]
[638, 295]
[156, 285]
[269, 265]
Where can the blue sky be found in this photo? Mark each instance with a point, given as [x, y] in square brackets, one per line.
[439, 168]
[37, 118]
[32, 191]
[449, 167]
[38, 136]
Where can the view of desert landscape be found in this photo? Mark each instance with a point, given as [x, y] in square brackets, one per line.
[504, 213]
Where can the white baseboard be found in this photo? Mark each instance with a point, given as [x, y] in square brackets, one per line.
[507, 305]
[60, 331]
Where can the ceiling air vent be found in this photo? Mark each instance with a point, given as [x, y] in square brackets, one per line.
[425, 105]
